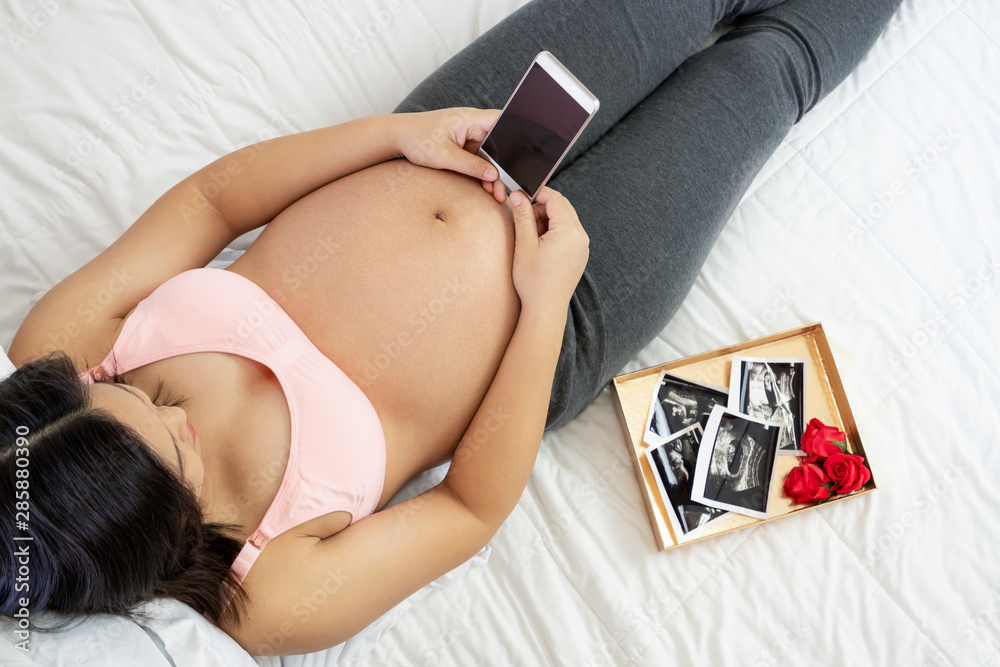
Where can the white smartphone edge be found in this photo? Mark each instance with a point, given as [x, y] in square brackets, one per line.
[580, 94]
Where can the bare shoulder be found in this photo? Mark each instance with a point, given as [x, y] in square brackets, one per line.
[308, 594]
[286, 561]
[86, 347]
[80, 312]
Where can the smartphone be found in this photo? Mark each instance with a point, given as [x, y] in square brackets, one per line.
[537, 126]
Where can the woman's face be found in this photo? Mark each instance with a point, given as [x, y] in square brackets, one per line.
[164, 428]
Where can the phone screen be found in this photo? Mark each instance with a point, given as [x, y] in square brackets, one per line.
[535, 128]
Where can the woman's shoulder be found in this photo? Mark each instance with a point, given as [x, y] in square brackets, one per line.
[85, 346]
[287, 563]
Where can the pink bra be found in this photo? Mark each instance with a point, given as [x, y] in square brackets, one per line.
[336, 459]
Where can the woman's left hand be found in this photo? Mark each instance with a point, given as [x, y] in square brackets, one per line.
[447, 139]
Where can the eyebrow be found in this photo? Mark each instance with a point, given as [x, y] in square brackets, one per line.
[180, 464]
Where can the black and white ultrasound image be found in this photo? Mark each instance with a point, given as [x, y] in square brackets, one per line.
[773, 392]
[680, 404]
[742, 461]
[674, 463]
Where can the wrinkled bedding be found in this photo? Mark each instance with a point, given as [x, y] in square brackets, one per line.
[879, 216]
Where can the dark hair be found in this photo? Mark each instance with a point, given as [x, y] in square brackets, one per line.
[111, 525]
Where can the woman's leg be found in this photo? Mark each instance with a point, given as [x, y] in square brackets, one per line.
[656, 190]
[619, 50]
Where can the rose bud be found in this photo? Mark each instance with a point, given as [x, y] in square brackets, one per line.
[816, 441]
[805, 483]
[847, 472]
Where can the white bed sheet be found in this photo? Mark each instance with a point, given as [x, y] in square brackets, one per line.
[904, 282]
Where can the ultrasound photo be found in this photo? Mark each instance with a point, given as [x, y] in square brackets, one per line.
[735, 463]
[677, 404]
[772, 390]
[673, 465]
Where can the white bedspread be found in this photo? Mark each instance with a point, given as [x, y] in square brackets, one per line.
[879, 216]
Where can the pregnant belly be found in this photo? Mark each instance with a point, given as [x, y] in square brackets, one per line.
[401, 275]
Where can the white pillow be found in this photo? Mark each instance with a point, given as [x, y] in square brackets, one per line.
[178, 631]
[6, 367]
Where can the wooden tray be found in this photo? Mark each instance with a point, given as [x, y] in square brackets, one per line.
[825, 400]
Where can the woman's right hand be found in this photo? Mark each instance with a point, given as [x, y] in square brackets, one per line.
[550, 250]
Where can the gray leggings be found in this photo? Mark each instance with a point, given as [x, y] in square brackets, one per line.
[673, 148]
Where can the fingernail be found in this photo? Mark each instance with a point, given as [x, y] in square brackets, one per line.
[490, 174]
[515, 199]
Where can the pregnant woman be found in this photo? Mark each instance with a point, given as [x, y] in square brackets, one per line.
[238, 432]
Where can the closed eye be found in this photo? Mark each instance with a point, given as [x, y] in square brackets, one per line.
[180, 461]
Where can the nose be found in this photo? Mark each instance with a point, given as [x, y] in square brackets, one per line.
[176, 419]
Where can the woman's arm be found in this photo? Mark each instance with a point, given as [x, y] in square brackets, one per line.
[198, 217]
[249, 187]
[494, 459]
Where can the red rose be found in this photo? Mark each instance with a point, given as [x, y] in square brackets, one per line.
[847, 472]
[816, 441]
[805, 483]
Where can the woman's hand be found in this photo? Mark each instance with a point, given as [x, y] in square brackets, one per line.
[446, 139]
[550, 250]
